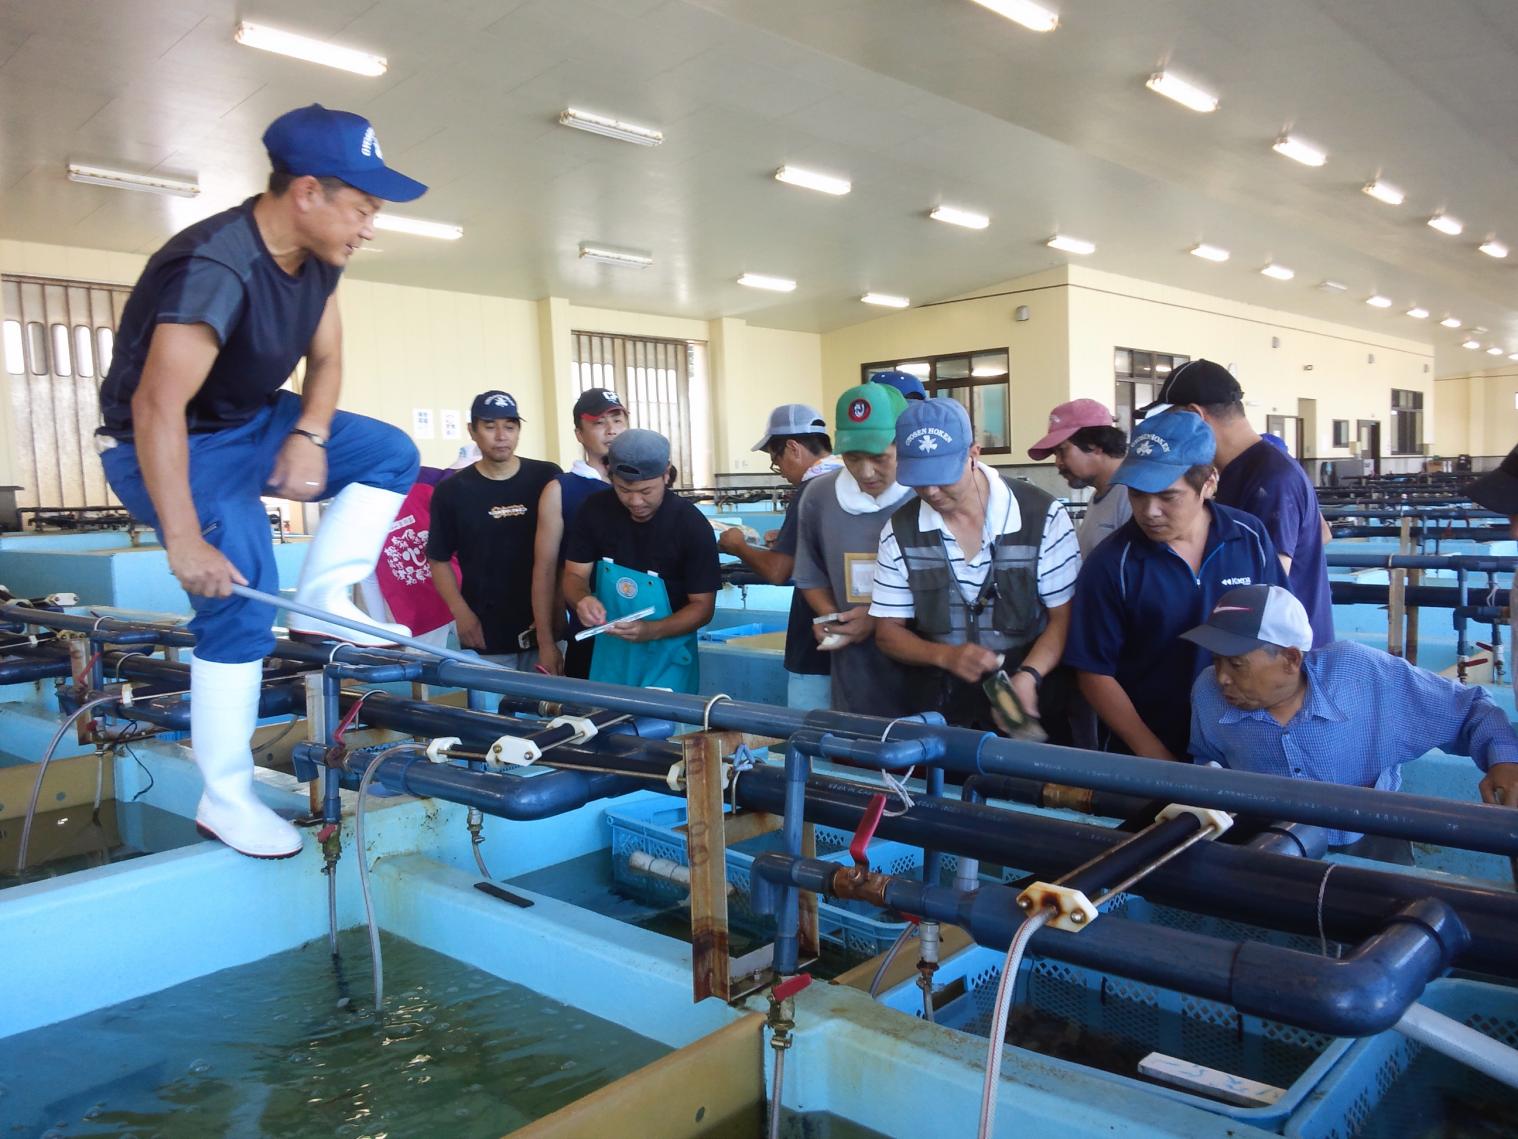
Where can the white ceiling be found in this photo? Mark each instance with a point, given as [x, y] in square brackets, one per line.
[917, 101]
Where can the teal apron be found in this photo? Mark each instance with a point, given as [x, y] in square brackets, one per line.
[668, 663]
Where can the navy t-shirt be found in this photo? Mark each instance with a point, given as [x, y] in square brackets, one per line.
[1133, 600]
[490, 525]
[676, 543]
[802, 656]
[219, 273]
[1269, 484]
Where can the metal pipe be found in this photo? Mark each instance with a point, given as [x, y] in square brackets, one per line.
[1121, 865]
[1359, 995]
[1214, 878]
[1461, 1042]
[1356, 559]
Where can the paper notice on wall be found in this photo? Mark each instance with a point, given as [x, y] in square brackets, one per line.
[421, 423]
[449, 419]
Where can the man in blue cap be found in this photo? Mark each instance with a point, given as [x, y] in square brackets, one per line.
[907, 384]
[196, 429]
[487, 517]
[973, 577]
[1158, 575]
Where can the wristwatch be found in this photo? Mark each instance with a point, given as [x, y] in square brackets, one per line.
[319, 440]
[1038, 677]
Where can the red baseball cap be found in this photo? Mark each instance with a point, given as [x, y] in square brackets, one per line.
[1065, 420]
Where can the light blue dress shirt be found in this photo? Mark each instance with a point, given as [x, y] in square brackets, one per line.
[1365, 714]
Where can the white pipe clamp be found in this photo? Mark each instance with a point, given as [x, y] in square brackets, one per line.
[436, 748]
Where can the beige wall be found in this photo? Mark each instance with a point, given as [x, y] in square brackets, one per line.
[1316, 360]
[1078, 316]
[1478, 412]
[408, 348]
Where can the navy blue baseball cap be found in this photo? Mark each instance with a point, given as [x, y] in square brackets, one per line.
[1163, 448]
[336, 144]
[494, 405]
[933, 438]
[907, 384]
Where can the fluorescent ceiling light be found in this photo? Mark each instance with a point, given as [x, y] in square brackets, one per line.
[1172, 86]
[1451, 322]
[416, 227]
[308, 49]
[885, 299]
[1333, 287]
[1418, 313]
[773, 284]
[611, 255]
[1378, 301]
[922, 371]
[1068, 244]
[1446, 224]
[1493, 248]
[1209, 252]
[1513, 356]
[1279, 272]
[611, 128]
[126, 180]
[955, 216]
[811, 180]
[1299, 151]
[1384, 192]
[1471, 344]
[1494, 351]
[1034, 17]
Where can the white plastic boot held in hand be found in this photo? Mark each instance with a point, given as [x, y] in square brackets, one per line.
[223, 712]
[347, 545]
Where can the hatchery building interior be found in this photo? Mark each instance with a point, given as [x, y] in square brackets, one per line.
[827, 569]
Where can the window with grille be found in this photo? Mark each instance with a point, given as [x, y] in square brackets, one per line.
[978, 380]
[654, 379]
[58, 340]
[1406, 422]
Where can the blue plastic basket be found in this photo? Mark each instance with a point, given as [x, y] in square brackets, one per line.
[1139, 1018]
[1389, 1087]
[747, 629]
[861, 930]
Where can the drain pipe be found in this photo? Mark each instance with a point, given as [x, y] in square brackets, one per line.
[1460, 1042]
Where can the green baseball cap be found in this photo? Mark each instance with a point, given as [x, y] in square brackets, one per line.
[866, 419]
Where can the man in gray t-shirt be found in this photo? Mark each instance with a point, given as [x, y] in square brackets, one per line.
[838, 535]
[1087, 449]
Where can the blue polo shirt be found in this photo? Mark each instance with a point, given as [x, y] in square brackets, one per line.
[1134, 598]
[1269, 484]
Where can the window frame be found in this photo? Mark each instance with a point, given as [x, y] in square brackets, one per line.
[933, 384]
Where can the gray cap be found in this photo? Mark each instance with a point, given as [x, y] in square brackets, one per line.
[792, 419]
[638, 454]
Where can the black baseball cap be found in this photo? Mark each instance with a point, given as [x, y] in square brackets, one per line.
[597, 402]
[1200, 382]
[1498, 490]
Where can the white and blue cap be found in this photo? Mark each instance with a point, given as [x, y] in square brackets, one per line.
[1250, 617]
[1163, 448]
[494, 405]
[933, 438]
[792, 419]
[336, 144]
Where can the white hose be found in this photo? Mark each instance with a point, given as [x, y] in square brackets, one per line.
[1030, 925]
[1460, 1042]
[890, 955]
[47, 756]
[363, 871]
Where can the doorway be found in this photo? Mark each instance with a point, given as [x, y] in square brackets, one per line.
[1287, 428]
[1368, 435]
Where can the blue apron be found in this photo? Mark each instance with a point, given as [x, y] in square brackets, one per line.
[670, 663]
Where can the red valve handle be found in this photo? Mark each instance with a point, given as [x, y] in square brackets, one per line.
[326, 832]
[866, 830]
[787, 989]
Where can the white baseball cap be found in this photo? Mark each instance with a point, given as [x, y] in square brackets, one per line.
[792, 419]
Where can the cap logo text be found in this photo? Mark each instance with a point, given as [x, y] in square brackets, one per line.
[1148, 444]
[370, 147]
[925, 439]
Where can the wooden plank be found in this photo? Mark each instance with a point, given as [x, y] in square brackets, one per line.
[70, 783]
[807, 935]
[750, 824]
[706, 851]
[712, 1086]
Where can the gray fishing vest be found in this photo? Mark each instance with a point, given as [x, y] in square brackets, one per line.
[1007, 616]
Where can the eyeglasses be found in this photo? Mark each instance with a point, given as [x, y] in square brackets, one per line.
[775, 454]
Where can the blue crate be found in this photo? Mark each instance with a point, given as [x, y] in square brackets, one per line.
[1142, 1017]
[1387, 1086]
[861, 930]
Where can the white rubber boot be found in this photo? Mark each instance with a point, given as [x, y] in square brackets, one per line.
[223, 712]
[346, 547]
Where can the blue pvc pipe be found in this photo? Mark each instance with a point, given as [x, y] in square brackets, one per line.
[24, 670]
[932, 860]
[1359, 995]
[787, 946]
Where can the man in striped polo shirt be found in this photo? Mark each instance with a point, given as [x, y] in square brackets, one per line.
[975, 575]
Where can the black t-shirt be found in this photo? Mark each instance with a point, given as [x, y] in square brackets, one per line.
[676, 543]
[802, 655]
[219, 273]
[491, 524]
